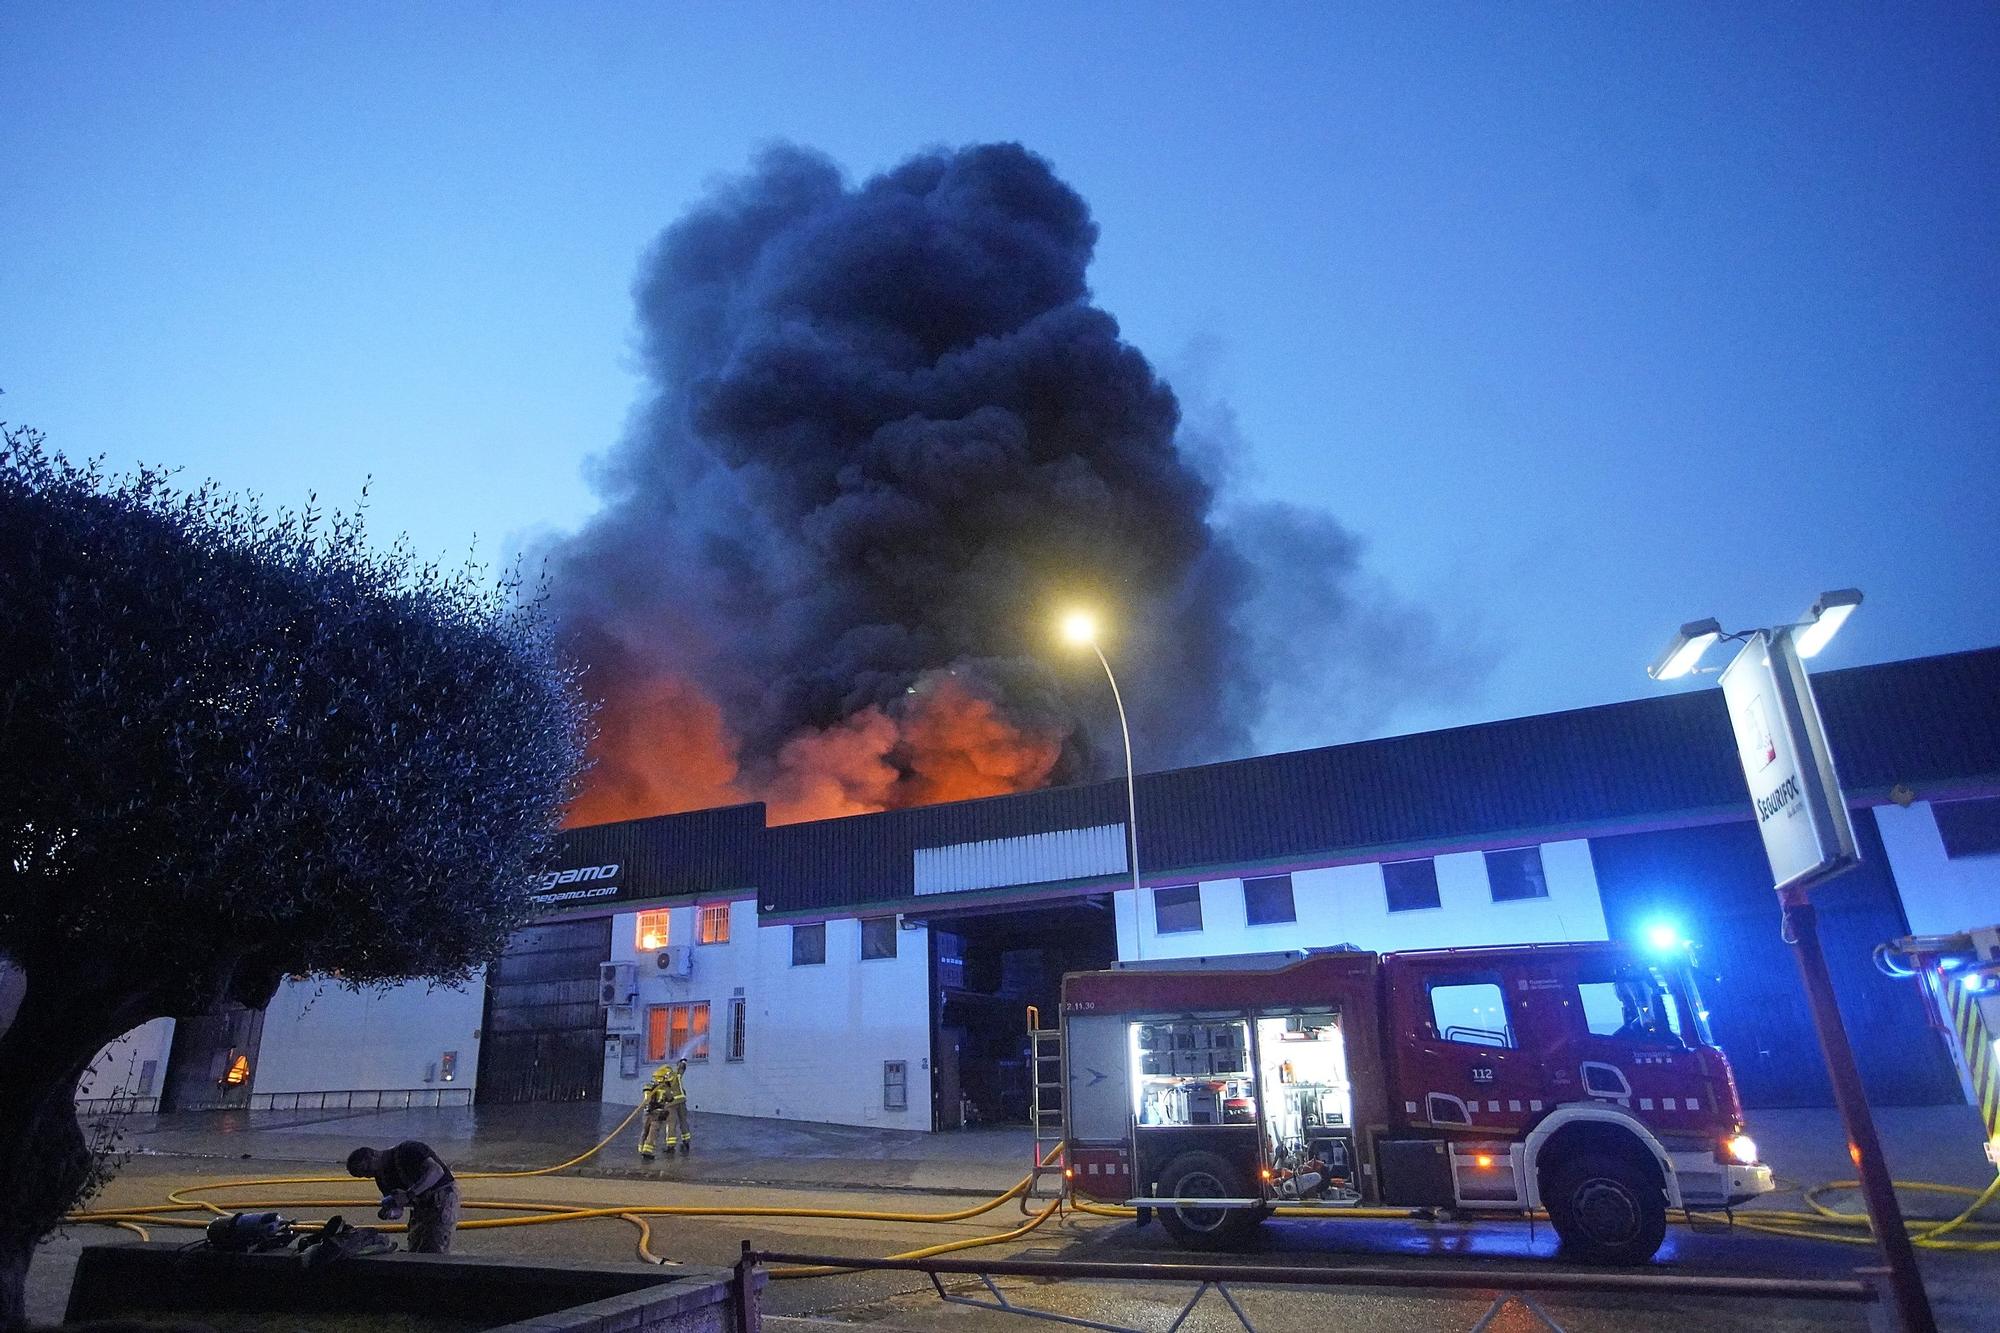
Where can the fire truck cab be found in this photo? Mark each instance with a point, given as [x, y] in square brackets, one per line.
[1580, 1078]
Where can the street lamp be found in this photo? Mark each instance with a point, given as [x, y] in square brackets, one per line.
[1079, 628]
[1802, 818]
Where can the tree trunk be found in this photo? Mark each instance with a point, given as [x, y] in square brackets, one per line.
[45, 1165]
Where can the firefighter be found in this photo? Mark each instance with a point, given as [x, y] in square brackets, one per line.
[654, 1100]
[412, 1177]
[665, 1101]
[677, 1108]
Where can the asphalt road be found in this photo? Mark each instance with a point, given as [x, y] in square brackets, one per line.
[1963, 1286]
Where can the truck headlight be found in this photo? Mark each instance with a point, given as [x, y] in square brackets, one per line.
[1741, 1148]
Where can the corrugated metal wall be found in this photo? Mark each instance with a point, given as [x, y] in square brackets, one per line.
[1036, 858]
[1930, 722]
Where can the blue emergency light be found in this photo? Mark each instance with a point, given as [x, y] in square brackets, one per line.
[1663, 937]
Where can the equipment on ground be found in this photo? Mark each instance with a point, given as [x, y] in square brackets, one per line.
[248, 1233]
[1579, 1077]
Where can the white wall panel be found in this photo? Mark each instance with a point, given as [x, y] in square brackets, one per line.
[816, 1036]
[1940, 895]
[1037, 858]
[121, 1071]
[1348, 905]
[320, 1037]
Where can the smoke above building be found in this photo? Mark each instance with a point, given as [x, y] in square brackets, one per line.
[887, 436]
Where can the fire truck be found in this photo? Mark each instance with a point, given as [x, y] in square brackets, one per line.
[1577, 1078]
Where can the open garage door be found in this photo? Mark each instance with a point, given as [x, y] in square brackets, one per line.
[543, 1039]
[987, 967]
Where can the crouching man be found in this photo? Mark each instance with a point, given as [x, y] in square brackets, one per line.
[412, 1177]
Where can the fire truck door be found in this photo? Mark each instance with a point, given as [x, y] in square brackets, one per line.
[1467, 1065]
[1097, 1058]
[1619, 1038]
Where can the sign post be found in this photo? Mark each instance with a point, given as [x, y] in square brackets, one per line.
[1809, 838]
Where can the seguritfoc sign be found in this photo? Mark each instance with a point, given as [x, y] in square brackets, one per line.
[1793, 788]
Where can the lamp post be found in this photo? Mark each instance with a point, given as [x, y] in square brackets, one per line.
[1802, 817]
[1080, 629]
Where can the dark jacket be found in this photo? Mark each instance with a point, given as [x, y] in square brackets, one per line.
[408, 1169]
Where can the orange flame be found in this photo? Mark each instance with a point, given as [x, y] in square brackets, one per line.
[665, 748]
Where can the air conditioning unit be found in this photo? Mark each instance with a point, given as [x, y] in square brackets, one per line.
[617, 983]
[676, 960]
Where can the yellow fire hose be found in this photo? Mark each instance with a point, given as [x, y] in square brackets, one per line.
[138, 1217]
[1963, 1232]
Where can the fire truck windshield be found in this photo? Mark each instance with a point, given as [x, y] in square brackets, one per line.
[1636, 1004]
[1693, 1016]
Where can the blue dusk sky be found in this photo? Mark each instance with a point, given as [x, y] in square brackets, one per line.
[1588, 319]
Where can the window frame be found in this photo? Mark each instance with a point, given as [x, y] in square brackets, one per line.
[820, 927]
[1438, 981]
[706, 915]
[737, 1036]
[894, 928]
[1969, 827]
[666, 919]
[1291, 917]
[660, 1043]
[1389, 890]
[1541, 875]
[1159, 927]
[899, 1084]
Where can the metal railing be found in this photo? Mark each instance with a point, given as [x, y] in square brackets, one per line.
[134, 1105]
[1512, 1285]
[363, 1099]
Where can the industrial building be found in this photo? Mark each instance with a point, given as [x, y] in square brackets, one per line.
[878, 969]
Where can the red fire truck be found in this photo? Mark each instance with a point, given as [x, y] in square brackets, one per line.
[1580, 1078]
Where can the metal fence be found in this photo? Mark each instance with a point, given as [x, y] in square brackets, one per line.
[118, 1105]
[1508, 1286]
[363, 1099]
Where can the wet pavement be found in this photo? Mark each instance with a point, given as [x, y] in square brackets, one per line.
[805, 1166]
[1937, 1143]
[728, 1149]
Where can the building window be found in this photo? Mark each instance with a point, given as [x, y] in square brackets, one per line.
[1177, 910]
[809, 944]
[1969, 828]
[1471, 1011]
[1412, 886]
[677, 1032]
[651, 932]
[711, 923]
[1268, 901]
[1515, 875]
[738, 1020]
[878, 937]
[895, 1085]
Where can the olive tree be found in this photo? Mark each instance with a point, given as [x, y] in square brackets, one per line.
[234, 745]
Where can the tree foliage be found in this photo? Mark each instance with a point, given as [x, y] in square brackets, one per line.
[236, 744]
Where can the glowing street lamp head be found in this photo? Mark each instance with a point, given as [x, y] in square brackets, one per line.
[1080, 628]
[1685, 651]
[1829, 613]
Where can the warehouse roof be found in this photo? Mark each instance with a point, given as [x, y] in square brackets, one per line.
[1930, 723]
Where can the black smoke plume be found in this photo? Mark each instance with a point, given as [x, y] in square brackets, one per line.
[888, 437]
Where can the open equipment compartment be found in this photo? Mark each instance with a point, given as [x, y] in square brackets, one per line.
[1308, 1105]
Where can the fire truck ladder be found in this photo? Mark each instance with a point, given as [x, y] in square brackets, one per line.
[1046, 1075]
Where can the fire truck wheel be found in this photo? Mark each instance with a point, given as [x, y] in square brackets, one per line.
[1606, 1210]
[1203, 1175]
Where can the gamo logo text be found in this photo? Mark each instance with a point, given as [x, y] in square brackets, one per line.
[578, 876]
